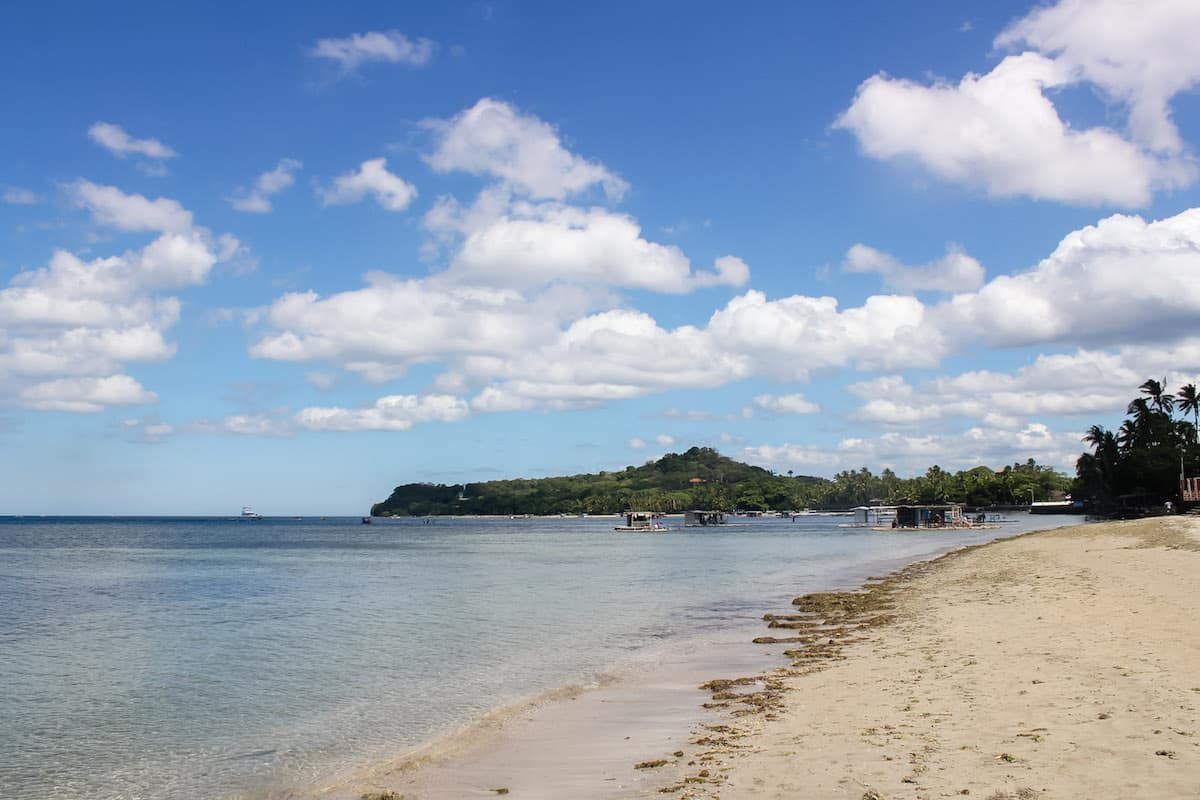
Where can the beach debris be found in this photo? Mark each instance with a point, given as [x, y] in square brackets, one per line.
[501, 790]
[1104, 715]
[658, 762]
[871, 794]
[383, 796]
[678, 754]
[1006, 757]
[1167, 753]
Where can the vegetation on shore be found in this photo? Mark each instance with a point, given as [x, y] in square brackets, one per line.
[702, 478]
[1139, 464]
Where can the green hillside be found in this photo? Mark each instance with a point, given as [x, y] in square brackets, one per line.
[698, 478]
[702, 478]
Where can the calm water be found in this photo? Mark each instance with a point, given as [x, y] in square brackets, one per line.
[212, 658]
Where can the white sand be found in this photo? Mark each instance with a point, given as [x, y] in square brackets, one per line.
[1063, 664]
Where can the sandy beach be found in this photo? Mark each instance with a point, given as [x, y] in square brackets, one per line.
[1057, 664]
[1060, 664]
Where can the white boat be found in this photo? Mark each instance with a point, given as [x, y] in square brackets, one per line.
[248, 513]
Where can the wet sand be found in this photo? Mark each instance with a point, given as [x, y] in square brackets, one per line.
[1058, 664]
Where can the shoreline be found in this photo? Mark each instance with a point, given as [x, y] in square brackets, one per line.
[841, 718]
[1051, 663]
[584, 741]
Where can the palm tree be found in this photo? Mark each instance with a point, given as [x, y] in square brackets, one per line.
[1127, 435]
[1190, 401]
[1095, 436]
[1157, 393]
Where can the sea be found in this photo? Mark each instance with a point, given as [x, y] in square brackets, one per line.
[228, 658]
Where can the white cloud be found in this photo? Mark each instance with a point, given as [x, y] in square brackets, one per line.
[16, 196]
[536, 244]
[636, 444]
[492, 138]
[257, 199]
[390, 47]
[85, 394]
[1121, 278]
[1085, 382]
[786, 404]
[954, 272]
[1140, 54]
[383, 329]
[130, 212]
[372, 178]
[68, 329]
[789, 338]
[664, 440]
[1000, 131]
[607, 356]
[114, 139]
[391, 413]
[912, 454]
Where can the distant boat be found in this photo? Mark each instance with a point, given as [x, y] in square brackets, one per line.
[702, 519]
[641, 521]
[248, 513]
[366, 520]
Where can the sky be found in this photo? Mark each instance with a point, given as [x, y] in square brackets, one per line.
[292, 255]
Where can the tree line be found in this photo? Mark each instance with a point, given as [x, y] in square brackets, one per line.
[1139, 464]
[702, 478]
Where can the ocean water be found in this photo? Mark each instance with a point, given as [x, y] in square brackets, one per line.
[222, 658]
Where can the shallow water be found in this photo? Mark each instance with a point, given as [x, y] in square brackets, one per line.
[184, 658]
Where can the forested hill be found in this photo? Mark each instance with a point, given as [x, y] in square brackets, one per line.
[702, 478]
[698, 478]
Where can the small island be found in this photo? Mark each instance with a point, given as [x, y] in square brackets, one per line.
[703, 478]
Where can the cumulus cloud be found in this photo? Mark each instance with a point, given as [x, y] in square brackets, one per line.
[533, 346]
[16, 196]
[371, 178]
[636, 444]
[68, 329]
[1001, 132]
[389, 47]
[130, 212]
[1083, 382]
[383, 329]
[1140, 54]
[115, 140]
[536, 244]
[954, 272]
[786, 404]
[664, 440]
[391, 413]
[257, 198]
[492, 138]
[790, 337]
[1121, 278]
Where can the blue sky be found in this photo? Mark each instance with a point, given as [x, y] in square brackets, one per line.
[292, 256]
